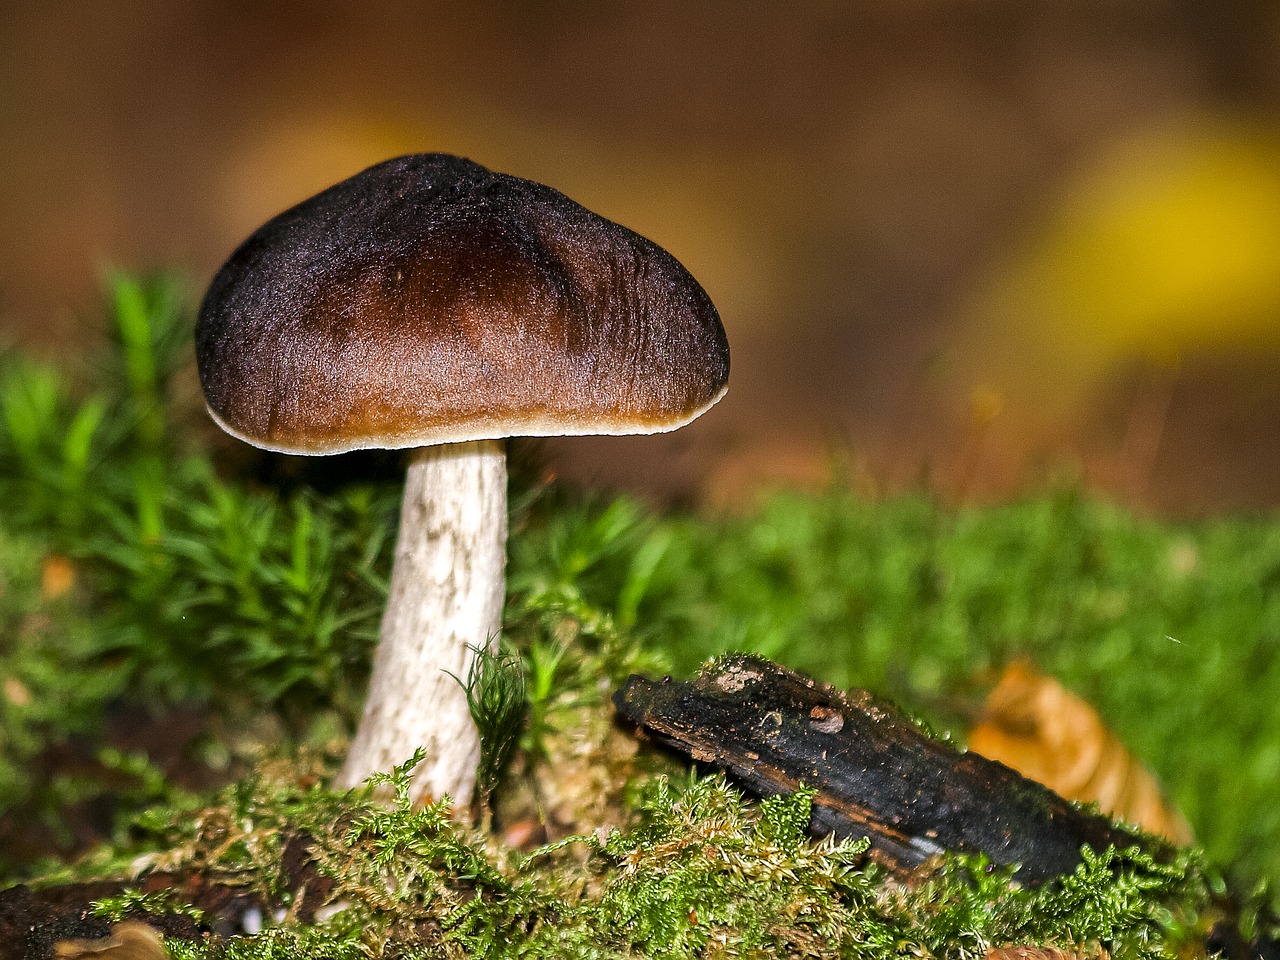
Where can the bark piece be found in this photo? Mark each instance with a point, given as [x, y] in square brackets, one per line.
[876, 773]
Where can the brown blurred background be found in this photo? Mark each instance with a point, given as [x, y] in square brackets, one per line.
[974, 243]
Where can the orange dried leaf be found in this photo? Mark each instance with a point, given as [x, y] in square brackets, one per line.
[1029, 952]
[57, 576]
[128, 941]
[16, 692]
[1033, 724]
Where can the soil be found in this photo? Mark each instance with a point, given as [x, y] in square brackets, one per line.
[33, 920]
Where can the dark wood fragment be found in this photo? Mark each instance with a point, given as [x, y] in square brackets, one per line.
[876, 773]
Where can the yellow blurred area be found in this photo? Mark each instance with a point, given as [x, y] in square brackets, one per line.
[1168, 247]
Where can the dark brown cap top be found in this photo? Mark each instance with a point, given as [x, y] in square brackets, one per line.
[428, 300]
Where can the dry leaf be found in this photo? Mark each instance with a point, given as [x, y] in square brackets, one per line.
[16, 692]
[1022, 952]
[128, 941]
[1033, 724]
[57, 576]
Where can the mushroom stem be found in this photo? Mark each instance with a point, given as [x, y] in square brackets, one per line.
[445, 600]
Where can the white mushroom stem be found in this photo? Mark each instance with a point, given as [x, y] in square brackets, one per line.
[445, 599]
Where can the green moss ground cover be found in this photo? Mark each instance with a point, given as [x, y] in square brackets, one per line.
[698, 873]
[200, 586]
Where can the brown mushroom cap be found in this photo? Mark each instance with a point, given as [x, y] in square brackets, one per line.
[428, 300]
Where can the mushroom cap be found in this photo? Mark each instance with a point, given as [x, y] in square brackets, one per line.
[428, 300]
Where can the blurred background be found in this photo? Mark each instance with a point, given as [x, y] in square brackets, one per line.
[978, 244]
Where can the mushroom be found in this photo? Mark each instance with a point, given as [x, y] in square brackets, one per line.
[430, 303]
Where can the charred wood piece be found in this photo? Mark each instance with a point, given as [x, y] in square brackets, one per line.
[876, 774]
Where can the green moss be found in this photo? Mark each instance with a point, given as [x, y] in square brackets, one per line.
[698, 871]
[134, 903]
[53, 689]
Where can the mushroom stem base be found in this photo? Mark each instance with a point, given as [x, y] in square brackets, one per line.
[445, 601]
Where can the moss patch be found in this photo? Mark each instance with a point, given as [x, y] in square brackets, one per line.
[697, 871]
